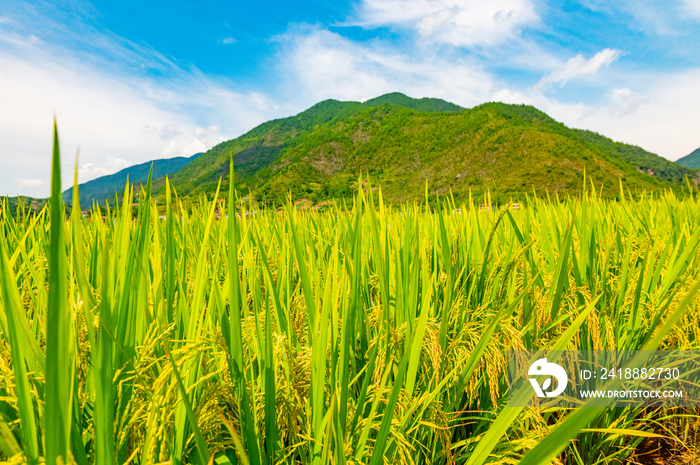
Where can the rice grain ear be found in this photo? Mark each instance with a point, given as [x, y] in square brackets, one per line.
[203, 453]
[509, 414]
[559, 438]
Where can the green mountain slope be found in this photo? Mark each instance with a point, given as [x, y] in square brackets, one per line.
[26, 204]
[645, 162]
[265, 143]
[402, 143]
[692, 160]
[105, 187]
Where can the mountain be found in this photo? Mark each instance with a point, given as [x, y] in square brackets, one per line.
[26, 204]
[403, 142]
[264, 144]
[645, 162]
[691, 161]
[105, 187]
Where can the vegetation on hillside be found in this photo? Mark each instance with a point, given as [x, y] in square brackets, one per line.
[645, 162]
[111, 186]
[265, 143]
[462, 154]
[22, 205]
[692, 160]
[508, 150]
[367, 334]
[424, 104]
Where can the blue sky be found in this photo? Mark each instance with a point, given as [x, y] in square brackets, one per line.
[133, 81]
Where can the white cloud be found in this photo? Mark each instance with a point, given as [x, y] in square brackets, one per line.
[660, 116]
[228, 40]
[666, 120]
[456, 22]
[111, 111]
[627, 101]
[169, 131]
[34, 40]
[23, 183]
[203, 139]
[648, 16]
[326, 65]
[692, 7]
[87, 171]
[579, 66]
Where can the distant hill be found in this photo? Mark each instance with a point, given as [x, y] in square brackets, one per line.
[692, 160]
[403, 142]
[27, 204]
[645, 162]
[106, 187]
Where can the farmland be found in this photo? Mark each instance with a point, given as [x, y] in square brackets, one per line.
[367, 333]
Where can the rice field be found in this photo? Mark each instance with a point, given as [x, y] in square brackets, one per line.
[367, 333]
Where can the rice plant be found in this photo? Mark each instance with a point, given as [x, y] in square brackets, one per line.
[367, 333]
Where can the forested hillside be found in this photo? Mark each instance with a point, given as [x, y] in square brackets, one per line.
[508, 150]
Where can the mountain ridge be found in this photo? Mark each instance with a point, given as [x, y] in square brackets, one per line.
[402, 143]
[692, 160]
[105, 187]
[318, 153]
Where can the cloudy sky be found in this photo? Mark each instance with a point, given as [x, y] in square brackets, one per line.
[133, 81]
